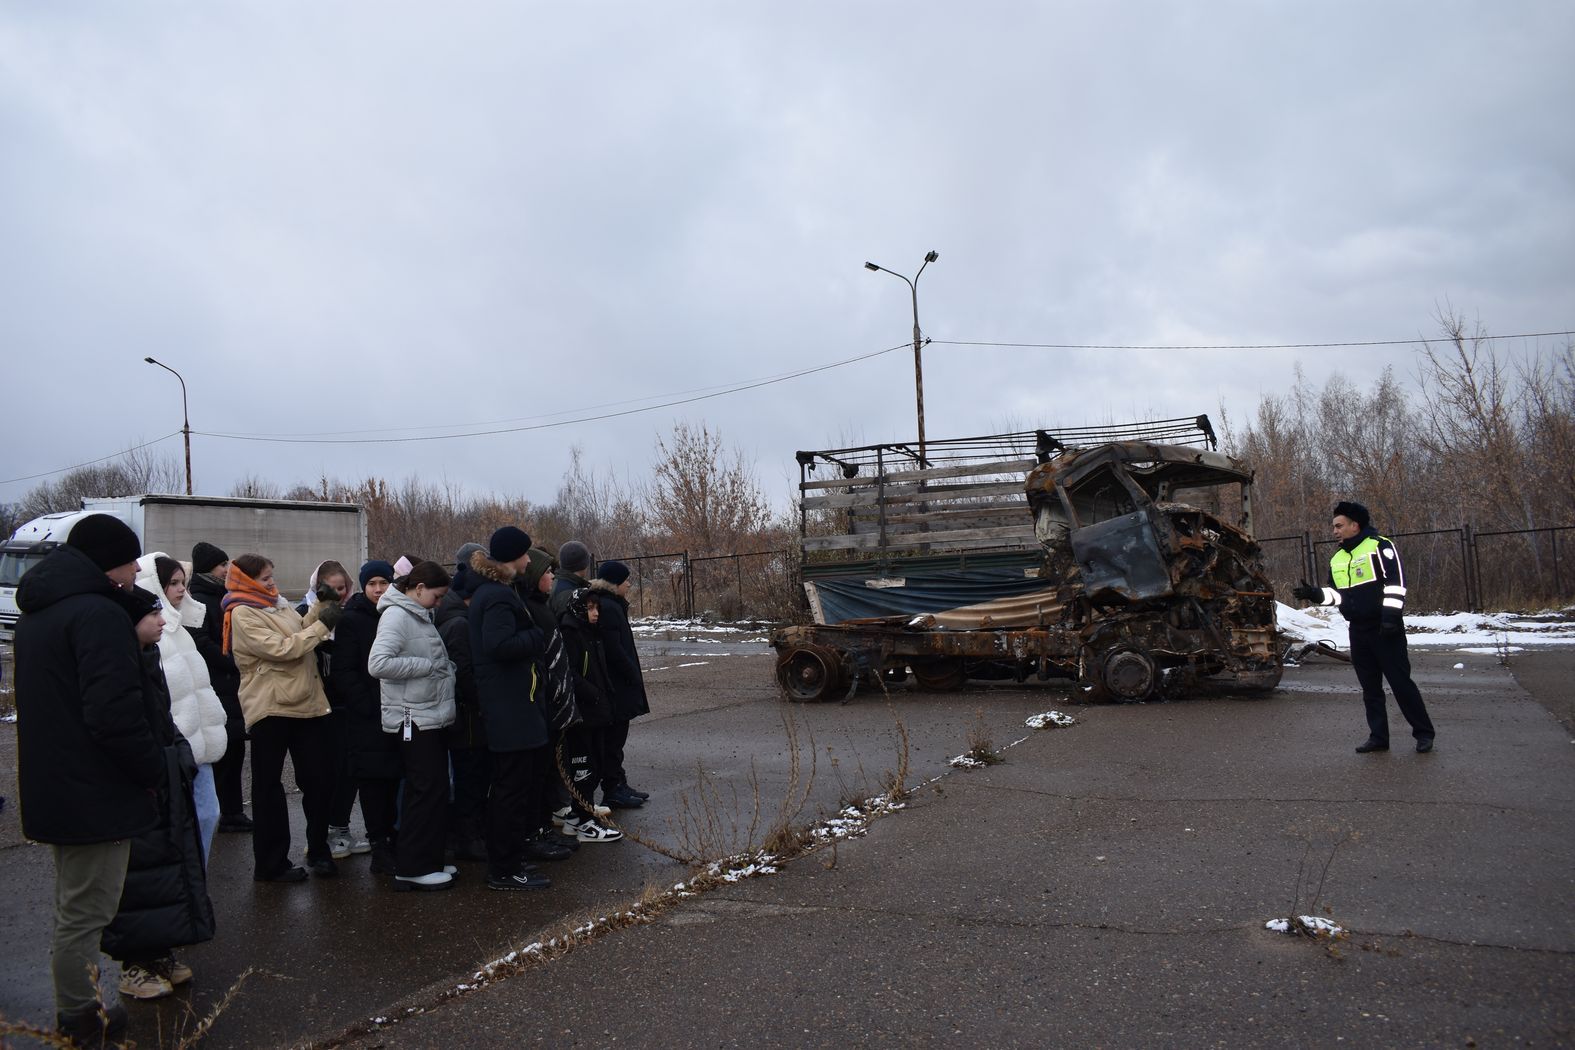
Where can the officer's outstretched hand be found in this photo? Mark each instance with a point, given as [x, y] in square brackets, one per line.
[1391, 627]
[1307, 592]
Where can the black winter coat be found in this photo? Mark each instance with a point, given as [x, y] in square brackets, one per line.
[623, 659]
[222, 672]
[453, 624]
[88, 763]
[374, 754]
[582, 645]
[164, 903]
[505, 645]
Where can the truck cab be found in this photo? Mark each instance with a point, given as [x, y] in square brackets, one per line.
[28, 546]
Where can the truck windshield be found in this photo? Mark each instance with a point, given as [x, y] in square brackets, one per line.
[14, 563]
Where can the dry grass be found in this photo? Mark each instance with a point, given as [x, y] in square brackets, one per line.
[981, 748]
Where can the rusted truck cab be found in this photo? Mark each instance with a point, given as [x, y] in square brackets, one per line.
[1161, 590]
[1151, 585]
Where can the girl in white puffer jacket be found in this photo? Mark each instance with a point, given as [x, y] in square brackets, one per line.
[194, 706]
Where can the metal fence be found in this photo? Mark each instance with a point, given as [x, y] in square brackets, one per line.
[762, 585]
[1449, 569]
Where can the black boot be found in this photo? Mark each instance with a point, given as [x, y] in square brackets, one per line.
[384, 861]
[95, 1026]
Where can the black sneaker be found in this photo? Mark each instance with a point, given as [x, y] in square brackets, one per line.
[622, 798]
[1372, 745]
[522, 881]
[236, 822]
[543, 849]
[1424, 745]
[642, 795]
[289, 874]
[322, 867]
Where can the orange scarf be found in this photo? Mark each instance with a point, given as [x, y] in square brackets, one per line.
[241, 589]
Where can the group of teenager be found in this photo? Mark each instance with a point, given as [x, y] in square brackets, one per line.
[475, 712]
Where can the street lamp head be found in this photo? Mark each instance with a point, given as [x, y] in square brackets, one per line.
[932, 256]
[150, 360]
[871, 266]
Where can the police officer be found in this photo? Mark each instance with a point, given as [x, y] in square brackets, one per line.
[1369, 590]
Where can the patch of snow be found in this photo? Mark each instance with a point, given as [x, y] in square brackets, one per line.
[1485, 651]
[1460, 667]
[1456, 630]
[1311, 924]
[965, 762]
[697, 663]
[650, 670]
[1050, 718]
[8, 717]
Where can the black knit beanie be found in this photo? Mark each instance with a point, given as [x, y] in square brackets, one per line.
[370, 570]
[107, 540]
[205, 557]
[575, 557]
[614, 572]
[508, 543]
[1355, 511]
[137, 602]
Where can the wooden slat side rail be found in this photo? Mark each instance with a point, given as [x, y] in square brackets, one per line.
[1021, 467]
[935, 540]
[912, 494]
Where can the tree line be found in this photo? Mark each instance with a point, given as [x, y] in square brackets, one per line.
[1479, 435]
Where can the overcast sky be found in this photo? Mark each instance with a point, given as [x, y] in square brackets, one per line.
[360, 217]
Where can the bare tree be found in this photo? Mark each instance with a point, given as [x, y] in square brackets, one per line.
[704, 498]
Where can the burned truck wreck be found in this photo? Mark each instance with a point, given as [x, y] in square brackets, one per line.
[1112, 563]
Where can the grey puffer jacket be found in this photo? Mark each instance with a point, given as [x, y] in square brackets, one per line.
[411, 663]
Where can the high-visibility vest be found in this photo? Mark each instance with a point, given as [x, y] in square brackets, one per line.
[1359, 565]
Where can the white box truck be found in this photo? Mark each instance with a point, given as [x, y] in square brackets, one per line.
[295, 534]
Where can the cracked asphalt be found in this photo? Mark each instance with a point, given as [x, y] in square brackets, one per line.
[1105, 884]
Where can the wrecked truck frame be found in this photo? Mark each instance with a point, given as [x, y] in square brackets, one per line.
[1145, 595]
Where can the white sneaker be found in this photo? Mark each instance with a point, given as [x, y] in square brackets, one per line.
[338, 843]
[434, 880]
[561, 814]
[588, 830]
[360, 844]
[141, 983]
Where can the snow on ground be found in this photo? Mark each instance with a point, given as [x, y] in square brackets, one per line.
[1048, 719]
[1481, 632]
[1309, 924]
[662, 625]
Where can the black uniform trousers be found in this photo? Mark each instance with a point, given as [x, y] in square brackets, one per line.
[512, 807]
[1377, 658]
[308, 742]
[423, 802]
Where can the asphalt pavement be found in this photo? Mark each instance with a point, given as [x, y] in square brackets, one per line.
[1105, 884]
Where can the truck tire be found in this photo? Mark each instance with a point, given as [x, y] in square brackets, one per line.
[811, 674]
[1125, 674]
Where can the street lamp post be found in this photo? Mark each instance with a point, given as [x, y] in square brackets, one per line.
[184, 415]
[918, 343]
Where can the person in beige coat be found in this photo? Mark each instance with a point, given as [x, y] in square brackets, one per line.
[286, 713]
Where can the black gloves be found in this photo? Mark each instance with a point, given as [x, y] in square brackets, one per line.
[1307, 592]
[330, 613]
[326, 593]
[1391, 627]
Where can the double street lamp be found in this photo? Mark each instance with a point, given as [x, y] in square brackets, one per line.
[918, 343]
[185, 416]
